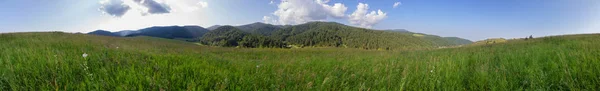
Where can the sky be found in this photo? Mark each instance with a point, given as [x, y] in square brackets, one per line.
[470, 19]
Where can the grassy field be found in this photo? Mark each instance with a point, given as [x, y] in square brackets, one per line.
[54, 61]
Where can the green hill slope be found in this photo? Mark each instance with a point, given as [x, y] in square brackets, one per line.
[330, 34]
[55, 61]
[312, 34]
[230, 36]
[436, 40]
[259, 28]
[458, 41]
[224, 36]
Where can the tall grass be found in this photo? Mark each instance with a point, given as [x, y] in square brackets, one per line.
[54, 61]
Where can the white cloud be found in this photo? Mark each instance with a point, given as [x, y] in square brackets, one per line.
[397, 4]
[120, 8]
[361, 18]
[270, 20]
[181, 12]
[202, 4]
[186, 5]
[302, 11]
[272, 2]
[114, 7]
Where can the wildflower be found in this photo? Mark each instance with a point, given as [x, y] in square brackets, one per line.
[431, 71]
[84, 55]
[117, 47]
[257, 66]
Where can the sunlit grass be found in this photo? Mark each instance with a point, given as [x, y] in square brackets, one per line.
[54, 61]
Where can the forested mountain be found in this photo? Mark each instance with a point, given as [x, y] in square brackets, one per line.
[458, 41]
[223, 36]
[172, 32]
[399, 30]
[442, 41]
[437, 40]
[125, 32]
[196, 31]
[260, 41]
[254, 28]
[103, 33]
[231, 36]
[331, 34]
[312, 34]
[259, 28]
[188, 33]
[213, 27]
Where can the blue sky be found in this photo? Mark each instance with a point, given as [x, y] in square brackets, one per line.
[471, 19]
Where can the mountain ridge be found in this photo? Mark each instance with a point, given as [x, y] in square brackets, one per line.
[310, 34]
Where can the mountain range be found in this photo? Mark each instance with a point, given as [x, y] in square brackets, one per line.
[311, 34]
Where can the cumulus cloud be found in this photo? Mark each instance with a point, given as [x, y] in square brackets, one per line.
[302, 11]
[202, 4]
[397, 4]
[114, 7]
[154, 7]
[120, 8]
[361, 18]
[270, 20]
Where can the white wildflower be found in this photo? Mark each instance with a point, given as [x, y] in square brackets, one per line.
[84, 55]
[431, 71]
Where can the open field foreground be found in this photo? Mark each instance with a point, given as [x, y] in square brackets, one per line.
[62, 61]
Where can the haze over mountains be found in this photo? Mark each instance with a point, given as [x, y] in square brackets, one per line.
[312, 34]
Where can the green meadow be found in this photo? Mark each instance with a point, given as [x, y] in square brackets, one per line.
[55, 61]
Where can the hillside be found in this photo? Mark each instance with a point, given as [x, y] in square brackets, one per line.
[172, 32]
[54, 61]
[228, 36]
[458, 41]
[103, 33]
[254, 28]
[188, 33]
[213, 27]
[489, 41]
[330, 34]
[312, 34]
[124, 33]
[437, 40]
[259, 28]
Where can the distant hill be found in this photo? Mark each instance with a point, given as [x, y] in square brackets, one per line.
[443, 41]
[399, 30]
[490, 41]
[224, 36]
[312, 34]
[172, 32]
[103, 33]
[188, 33]
[458, 41]
[259, 28]
[125, 32]
[213, 27]
[440, 41]
[196, 31]
[331, 34]
[255, 28]
[231, 36]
